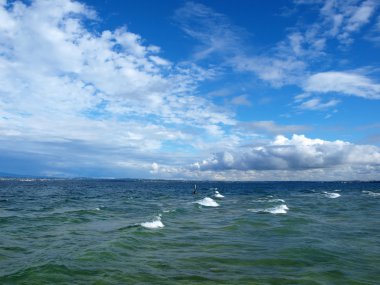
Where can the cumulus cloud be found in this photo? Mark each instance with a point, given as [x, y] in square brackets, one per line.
[74, 98]
[296, 153]
[344, 83]
[62, 82]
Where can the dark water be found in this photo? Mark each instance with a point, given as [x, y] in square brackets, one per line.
[155, 232]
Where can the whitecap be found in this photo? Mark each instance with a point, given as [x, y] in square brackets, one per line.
[372, 194]
[155, 224]
[207, 202]
[97, 209]
[280, 209]
[218, 195]
[276, 200]
[331, 195]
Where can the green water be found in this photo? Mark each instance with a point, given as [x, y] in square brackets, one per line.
[92, 232]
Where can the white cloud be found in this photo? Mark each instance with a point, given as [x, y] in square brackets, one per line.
[344, 83]
[288, 61]
[155, 168]
[220, 38]
[241, 100]
[341, 19]
[278, 70]
[317, 104]
[61, 82]
[213, 30]
[361, 15]
[75, 98]
[273, 127]
[296, 158]
[296, 153]
[374, 33]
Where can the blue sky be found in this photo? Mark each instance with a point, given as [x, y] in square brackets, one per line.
[226, 90]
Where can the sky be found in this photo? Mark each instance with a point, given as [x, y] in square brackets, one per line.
[199, 90]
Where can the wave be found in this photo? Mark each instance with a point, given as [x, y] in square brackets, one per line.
[372, 194]
[280, 209]
[218, 195]
[155, 224]
[331, 195]
[265, 200]
[207, 202]
[73, 210]
[169, 211]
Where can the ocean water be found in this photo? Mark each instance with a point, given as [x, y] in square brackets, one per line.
[158, 232]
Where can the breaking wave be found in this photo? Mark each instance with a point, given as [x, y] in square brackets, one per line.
[280, 209]
[372, 194]
[155, 224]
[331, 195]
[207, 202]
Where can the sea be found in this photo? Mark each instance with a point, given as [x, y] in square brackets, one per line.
[89, 231]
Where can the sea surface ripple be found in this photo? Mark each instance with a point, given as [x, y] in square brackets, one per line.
[158, 232]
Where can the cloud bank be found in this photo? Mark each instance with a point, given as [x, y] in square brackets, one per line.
[296, 153]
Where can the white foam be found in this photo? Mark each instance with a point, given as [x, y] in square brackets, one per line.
[331, 195]
[280, 209]
[372, 194]
[264, 200]
[97, 209]
[155, 224]
[169, 211]
[207, 202]
[276, 200]
[218, 195]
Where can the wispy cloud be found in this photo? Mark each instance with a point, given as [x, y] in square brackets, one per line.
[241, 100]
[317, 104]
[213, 30]
[273, 127]
[291, 60]
[219, 37]
[343, 83]
[344, 18]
